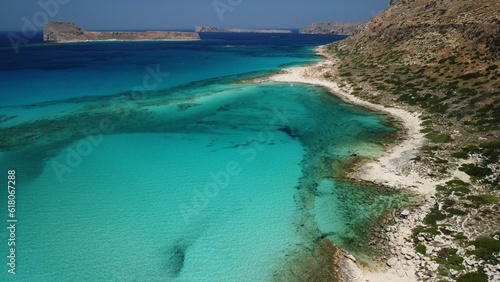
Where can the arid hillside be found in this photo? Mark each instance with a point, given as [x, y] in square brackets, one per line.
[437, 57]
[441, 55]
[440, 58]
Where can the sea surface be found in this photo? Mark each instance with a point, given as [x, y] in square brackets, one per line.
[162, 161]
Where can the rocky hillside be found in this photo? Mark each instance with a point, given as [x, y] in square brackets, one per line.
[69, 32]
[238, 30]
[330, 28]
[441, 58]
[451, 45]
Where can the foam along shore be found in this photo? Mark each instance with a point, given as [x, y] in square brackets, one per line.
[393, 169]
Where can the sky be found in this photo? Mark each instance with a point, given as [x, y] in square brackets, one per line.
[183, 14]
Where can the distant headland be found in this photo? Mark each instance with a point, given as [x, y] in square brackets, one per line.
[239, 30]
[69, 32]
[330, 28]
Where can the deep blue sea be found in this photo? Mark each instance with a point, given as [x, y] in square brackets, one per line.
[161, 161]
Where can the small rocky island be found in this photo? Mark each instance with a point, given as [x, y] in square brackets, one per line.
[69, 32]
[330, 28]
[239, 30]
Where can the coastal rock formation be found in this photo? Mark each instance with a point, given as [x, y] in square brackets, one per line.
[470, 25]
[69, 32]
[441, 59]
[330, 28]
[239, 30]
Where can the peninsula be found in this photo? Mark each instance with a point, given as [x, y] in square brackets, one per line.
[239, 30]
[69, 32]
[332, 28]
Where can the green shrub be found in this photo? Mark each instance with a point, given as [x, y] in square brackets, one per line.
[438, 108]
[486, 248]
[434, 216]
[453, 211]
[439, 138]
[471, 76]
[426, 122]
[450, 259]
[464, 153]
[467, 91]
[491, 145]
[445, 231]
[448, 203]
[473, 277]
[426, 130]
[475, 171]
[442, 61]
[492, 67]
[421, 249]
[460, 155]
[440, 161]
[422, 229]
[484, 199]
[457, 187]
[443, 271]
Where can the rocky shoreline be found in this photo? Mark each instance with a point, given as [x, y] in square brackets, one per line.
[395, 169]
[413, 248]
[395, 238]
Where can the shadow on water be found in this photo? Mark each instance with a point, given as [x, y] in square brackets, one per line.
[174, 261]
[175, 254]
[27, 166]
[30, 162]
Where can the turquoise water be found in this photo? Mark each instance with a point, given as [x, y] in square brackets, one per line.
[205, 178]
[134, 219]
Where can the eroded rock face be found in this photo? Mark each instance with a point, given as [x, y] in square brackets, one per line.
[330, 28]
[55, 30]
[69, 32]
[460, 22]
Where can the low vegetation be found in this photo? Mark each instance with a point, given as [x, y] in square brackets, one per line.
[456, 88]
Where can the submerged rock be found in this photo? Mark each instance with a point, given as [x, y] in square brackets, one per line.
[175, 260]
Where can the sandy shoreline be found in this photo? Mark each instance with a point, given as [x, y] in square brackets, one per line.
[393, 169]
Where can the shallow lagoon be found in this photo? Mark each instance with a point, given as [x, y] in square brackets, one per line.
[214, 179]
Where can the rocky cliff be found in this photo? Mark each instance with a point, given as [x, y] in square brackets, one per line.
[239, 30]
[69, 32]
[330, 28]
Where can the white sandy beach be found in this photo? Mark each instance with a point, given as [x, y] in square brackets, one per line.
[393, 169]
